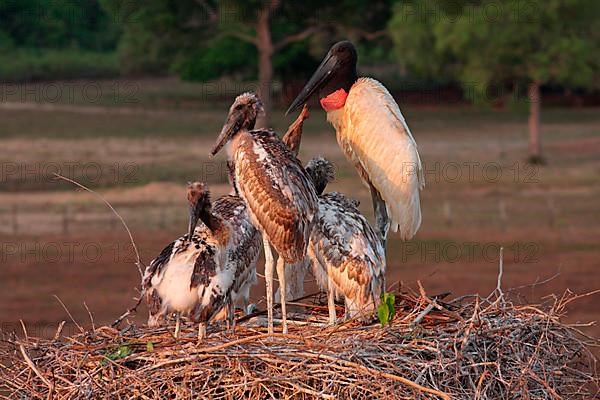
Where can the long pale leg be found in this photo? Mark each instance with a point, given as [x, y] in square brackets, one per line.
[269, 283]
[347, 313]
[282, 294]
[331, 302]
[201, 331]
[177, 325]
[382, 220]
[231, 316]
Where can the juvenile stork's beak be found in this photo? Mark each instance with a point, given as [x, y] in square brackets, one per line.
[194, 216]
[317, 81]
[232, 125]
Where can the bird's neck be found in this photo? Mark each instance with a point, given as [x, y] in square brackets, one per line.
[336, 118]
[333, 95]
[293, 136]
[215, 224]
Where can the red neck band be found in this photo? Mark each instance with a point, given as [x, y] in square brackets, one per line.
[335, 100]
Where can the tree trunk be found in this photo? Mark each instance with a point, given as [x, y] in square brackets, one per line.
[535, 152]
[264, 45]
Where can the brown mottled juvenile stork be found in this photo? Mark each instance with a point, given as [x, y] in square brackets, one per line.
[280, 198]
[347, 256]
[206, 272]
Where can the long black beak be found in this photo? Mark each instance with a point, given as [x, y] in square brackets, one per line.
[194, 216]
[317, 80]
[232, 125]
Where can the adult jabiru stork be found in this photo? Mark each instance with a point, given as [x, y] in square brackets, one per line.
[279, 196]
[205, 273]
[374, 137]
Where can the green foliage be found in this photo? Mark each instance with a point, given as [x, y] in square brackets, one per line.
[58, 24]
[386, 309]
[58, 39]
[486, 44]
[116, 354]
[414, 40]
[150, 347]
[138, 53]
[19, 65]
[6, 42]
[157, 34]
[205, 40]
[224, 56]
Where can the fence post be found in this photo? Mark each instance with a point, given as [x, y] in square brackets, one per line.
[15, 219]
[552, 208]
[447, 213]
[65, 220]
[162, 223]
[113, 222]
[502, 212]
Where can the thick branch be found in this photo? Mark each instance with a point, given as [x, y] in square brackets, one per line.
[273, 5]
[212, 13]
[242, 36]
[295, 37]
[372, 35]
[361, 33]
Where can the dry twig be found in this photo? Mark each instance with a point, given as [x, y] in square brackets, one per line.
[501, 350]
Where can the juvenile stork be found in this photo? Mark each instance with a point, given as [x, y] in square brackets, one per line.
[204, 273]
[347, 256]
[280, 198]
[374, 137]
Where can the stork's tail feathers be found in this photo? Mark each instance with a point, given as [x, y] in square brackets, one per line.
[206, 312]
[405, 216]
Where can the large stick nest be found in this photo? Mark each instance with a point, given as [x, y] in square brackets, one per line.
[470, 348]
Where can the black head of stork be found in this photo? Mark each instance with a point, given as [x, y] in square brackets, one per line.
[336, 71]
[321, 173]
[242, 115]
[198, 197]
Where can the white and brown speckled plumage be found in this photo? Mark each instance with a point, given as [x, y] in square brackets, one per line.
[245, 247]
[204, 276]
[278, 193]
[344, 248]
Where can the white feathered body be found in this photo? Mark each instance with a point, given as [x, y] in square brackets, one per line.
[375, 138]
[199, 278]
[345, 248]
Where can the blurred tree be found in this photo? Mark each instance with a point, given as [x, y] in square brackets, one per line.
[490, 46]
[56, 24]
[194, 37]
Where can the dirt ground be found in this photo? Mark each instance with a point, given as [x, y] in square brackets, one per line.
[480, 195]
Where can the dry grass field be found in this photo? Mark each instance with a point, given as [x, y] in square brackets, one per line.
[480, 195]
